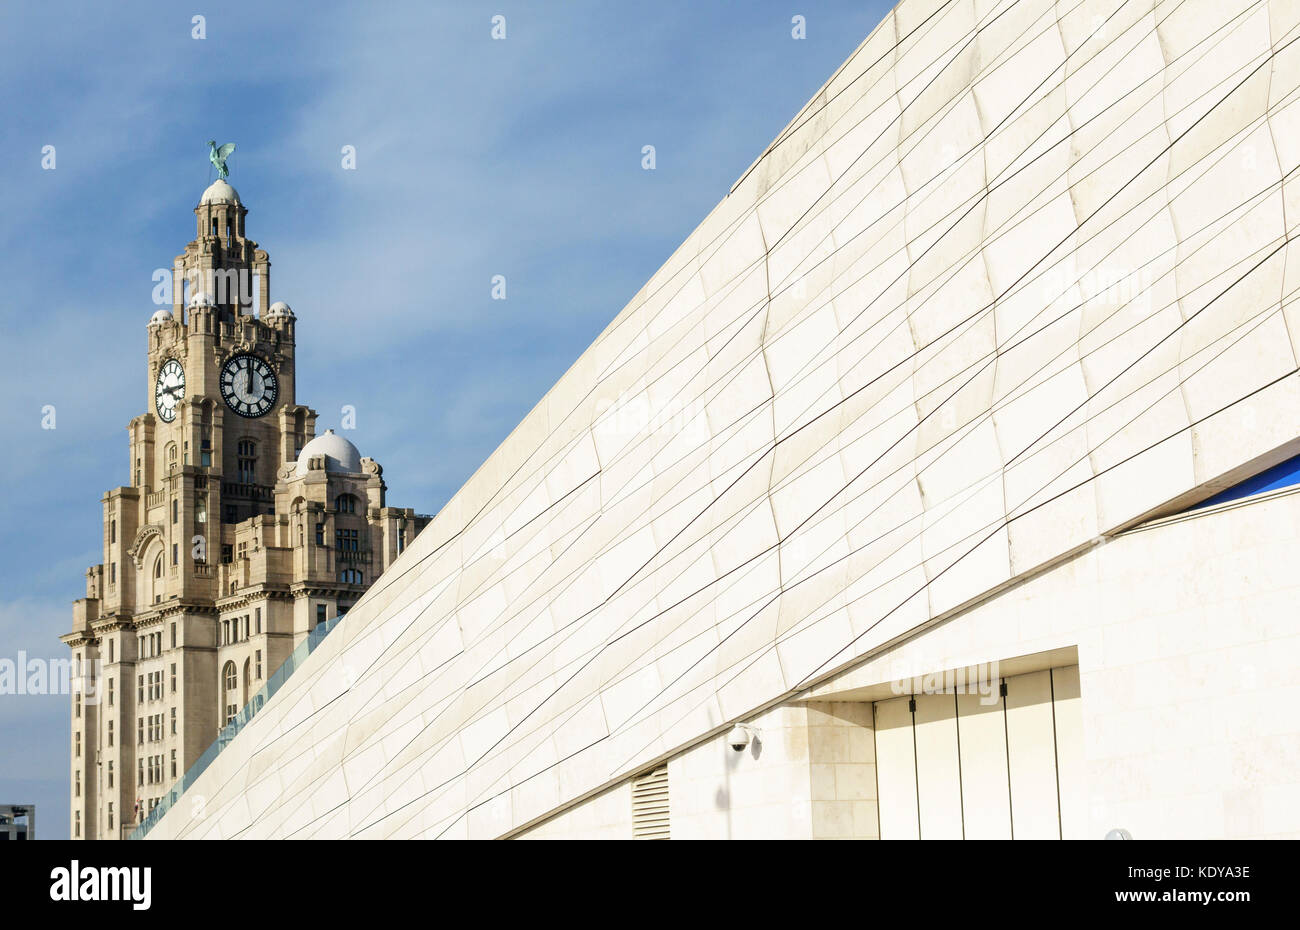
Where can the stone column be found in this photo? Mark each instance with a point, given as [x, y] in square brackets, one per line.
[842, 770]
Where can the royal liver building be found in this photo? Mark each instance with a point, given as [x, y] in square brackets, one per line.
[239, 531]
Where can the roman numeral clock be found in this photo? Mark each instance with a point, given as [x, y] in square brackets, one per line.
[169, 389]
[248, 385]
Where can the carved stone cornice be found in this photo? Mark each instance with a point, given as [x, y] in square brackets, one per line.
[113, 623]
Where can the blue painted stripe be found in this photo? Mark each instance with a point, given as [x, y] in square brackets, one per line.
[1282, 475]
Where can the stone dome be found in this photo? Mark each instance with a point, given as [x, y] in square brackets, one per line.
[340, 455]
[219, 192]
[161, 316]
[200, 299]
[279, 308]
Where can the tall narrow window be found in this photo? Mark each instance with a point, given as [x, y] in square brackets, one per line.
[247, 460]
[230, 679]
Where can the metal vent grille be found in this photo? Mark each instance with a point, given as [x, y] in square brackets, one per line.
[650, 805]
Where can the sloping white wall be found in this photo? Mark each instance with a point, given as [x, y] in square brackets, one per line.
[1019, 275]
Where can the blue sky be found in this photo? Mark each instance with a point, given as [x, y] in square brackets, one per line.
[474, 158]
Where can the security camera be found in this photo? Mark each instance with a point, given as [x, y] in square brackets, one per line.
[740, 736]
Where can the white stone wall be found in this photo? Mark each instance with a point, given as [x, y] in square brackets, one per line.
[605, 816]
[761, 793]
[808, 773]
[1189, 659]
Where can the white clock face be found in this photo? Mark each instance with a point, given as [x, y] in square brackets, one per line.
[169, 390]
[248, 385]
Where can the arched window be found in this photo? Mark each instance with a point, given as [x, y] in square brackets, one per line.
[345, 503]
[171, 456]
[230, 699]
[247, 453]
[156, 585]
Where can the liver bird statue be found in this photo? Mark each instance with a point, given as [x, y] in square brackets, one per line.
[218, 157]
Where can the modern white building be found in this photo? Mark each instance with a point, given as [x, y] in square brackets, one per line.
[941, 484]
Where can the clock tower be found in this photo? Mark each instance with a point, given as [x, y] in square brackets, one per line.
[240, 530]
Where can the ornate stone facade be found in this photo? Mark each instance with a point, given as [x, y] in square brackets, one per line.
[239, 532]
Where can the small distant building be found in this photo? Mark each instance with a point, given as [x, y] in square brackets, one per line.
[17, 822]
